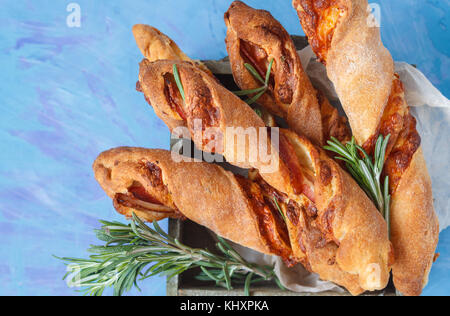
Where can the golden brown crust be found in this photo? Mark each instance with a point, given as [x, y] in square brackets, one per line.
[333, 124]
[393, 120]
[414, 224]
[267, 215]
[309, 245]
[209, 103]
[211, 197]
[362, 71]
[238, 209]
[414, 228]
[296, 178]
[226, 204]
[168, 104]
[290, 210]
[255, 37]
[119, 172]
[358, 64]
[155, 45]
[322, 256]
[404, 139]
[402, 153]
[319, 22]
[348, 218]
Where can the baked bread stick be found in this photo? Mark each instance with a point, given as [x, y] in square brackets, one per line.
[362, 70]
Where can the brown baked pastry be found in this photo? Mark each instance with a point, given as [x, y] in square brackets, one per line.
[153, 185]
[362, 71]
[306, 176]
[333, 125]
[209, 106]
[155, 45]
[215, 108]
[255, 37]
[357, 63]
[348, 221]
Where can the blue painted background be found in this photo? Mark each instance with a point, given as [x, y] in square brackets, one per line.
[68, 93]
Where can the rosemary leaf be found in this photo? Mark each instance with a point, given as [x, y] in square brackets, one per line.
[211, 276]
[224, 243]
[279, 209]
[248, 281]
[247, 92]
[269, 69]
[254, 73]
[387, 204]
[277, 281]
[135, 252]
[176, 75]
[255, 98]
[259, 91]
[221, 248]
[366, 170]
[226, 273]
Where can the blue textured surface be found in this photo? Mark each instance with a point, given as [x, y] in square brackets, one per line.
[68, 94]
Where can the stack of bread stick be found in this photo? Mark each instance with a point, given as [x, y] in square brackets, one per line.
[307, 210]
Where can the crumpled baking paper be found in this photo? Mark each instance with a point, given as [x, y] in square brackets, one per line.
[432, 111]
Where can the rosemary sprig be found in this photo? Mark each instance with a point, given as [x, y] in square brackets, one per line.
[259, 91]
[279, 209]
[135, 252]
[176, 75]
[366, 170]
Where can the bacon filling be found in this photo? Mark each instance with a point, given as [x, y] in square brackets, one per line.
[401, 155]
[199, 106]
[173, 95]
[139, 204]
[301, 178]
[333, 124]
[154, 199]
[393, 118]
[319, 20]
[270, 222]
[302, 217]
[404, 140]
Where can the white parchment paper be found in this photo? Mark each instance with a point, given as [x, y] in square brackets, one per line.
[432, 111]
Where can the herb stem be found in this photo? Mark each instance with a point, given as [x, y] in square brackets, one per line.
[176, 75]
[366, 170]
[136, 252]
[258, 92]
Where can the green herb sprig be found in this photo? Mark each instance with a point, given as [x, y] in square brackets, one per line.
[366, 170]
[259, 91]
[176, 75]
[135, 252]
[279, 209]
